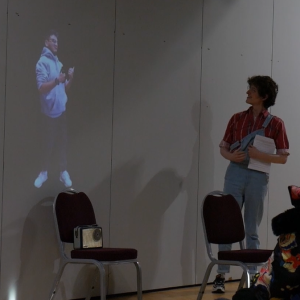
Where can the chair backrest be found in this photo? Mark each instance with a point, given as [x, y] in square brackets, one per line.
[72, 209]
[222, 219]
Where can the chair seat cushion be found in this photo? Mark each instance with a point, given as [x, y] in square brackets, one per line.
[105, 254]
[246, 255]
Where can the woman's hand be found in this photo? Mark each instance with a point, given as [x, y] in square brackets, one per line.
[238, 155]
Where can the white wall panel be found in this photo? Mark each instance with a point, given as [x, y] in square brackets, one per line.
[237, 43]
[286, 71]
[86, 40]
[155, 149]
[3, 40]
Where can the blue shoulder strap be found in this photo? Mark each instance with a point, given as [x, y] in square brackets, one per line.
[267, 120]
[264, 125]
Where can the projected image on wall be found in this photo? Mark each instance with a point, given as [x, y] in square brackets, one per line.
[53, 83]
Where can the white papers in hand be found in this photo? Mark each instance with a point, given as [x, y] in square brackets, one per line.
[266, 145]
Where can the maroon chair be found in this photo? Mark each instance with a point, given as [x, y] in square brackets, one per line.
[72, 209]
[223, 224]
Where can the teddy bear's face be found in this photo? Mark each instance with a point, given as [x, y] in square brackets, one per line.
[287, 241]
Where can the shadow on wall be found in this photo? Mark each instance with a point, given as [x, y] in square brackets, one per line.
[40, 258]
[206, 158]
[124, 181]
[188, 255]
[146, 215]
[38, 253]
[206, 178]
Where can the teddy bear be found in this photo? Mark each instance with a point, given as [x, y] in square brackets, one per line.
[279, 278]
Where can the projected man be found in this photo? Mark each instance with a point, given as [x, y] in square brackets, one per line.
[52, 84]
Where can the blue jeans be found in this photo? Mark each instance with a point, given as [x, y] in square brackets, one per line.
[249, 188]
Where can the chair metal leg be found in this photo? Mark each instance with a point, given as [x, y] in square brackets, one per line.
[248, 279]
[139, 280]
[94, 281]
[246, 276]
[56, 281]
[102, 282]
[242, 281]
[205, 279]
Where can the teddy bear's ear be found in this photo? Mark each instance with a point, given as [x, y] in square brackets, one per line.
[294, 192]
[286, 222]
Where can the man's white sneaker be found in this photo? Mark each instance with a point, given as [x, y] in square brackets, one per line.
[65, 178]
[43, 176]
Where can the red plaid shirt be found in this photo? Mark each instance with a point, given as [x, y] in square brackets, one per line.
[243, 123]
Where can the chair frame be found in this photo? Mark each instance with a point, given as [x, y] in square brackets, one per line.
[65, 259]
[246, 272]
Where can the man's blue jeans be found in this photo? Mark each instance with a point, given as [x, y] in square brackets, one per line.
[249, 188]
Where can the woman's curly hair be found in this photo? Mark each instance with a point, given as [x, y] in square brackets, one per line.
[266, 86]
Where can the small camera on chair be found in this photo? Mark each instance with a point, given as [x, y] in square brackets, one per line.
[88, 236]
